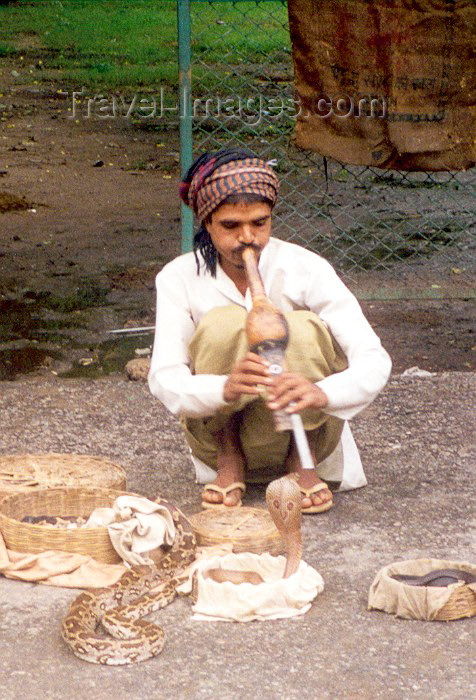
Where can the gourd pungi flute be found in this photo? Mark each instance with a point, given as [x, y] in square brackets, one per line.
[267, 333]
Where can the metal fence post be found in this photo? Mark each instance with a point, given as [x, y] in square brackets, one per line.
[185, 111]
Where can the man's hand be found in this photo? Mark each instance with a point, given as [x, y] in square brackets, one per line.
[246, 376]
[289, 387]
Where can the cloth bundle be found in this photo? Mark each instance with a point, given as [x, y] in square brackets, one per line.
[275, 598]
[136, 527]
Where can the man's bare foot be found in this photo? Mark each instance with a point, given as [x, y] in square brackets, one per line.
[230, 468]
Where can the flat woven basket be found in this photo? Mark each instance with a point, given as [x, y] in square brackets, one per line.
[32, 538]
[30, 472]
[247, 529]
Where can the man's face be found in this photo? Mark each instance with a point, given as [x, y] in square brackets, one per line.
[233, 227]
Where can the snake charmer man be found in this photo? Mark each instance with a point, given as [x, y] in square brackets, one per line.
[203, 372]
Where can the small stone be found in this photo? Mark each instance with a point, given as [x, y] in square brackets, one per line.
[142, 352]
[138, 369]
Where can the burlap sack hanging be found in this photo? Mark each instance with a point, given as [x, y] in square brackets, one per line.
[416, 60]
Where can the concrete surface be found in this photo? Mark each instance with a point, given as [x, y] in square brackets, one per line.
[417, 443]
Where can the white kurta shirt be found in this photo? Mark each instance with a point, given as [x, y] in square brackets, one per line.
[294, 278]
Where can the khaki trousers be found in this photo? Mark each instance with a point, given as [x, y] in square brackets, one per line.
[218, 343]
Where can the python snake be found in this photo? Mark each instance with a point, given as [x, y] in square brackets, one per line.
[118, 608]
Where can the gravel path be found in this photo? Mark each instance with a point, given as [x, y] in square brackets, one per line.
[417, 443]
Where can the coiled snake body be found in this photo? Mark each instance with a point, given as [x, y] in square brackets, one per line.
[145, 589]
[140, 591]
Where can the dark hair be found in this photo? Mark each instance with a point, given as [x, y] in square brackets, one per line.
[202, 240]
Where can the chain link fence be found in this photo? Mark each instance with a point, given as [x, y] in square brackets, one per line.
[390, 234]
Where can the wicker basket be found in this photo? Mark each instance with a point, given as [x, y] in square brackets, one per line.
[26, 537]
[30, 472]
[422, 602]
[247, 529]
[461, 603]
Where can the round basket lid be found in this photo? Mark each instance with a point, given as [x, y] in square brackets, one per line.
[30, 472]
[246, 529]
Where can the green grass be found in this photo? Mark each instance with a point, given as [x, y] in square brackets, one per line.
[243, 32]
[87, 295]
[117, 43]
[94, 42]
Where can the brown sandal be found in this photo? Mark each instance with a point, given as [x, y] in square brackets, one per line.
[322, 507]
[224, 490]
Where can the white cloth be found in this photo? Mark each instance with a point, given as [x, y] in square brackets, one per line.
[294, 278]
[136, 526]
[275, 598]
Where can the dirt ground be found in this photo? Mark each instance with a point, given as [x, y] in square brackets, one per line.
[89, 213]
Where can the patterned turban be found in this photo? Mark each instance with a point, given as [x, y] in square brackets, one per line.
[216, 176]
